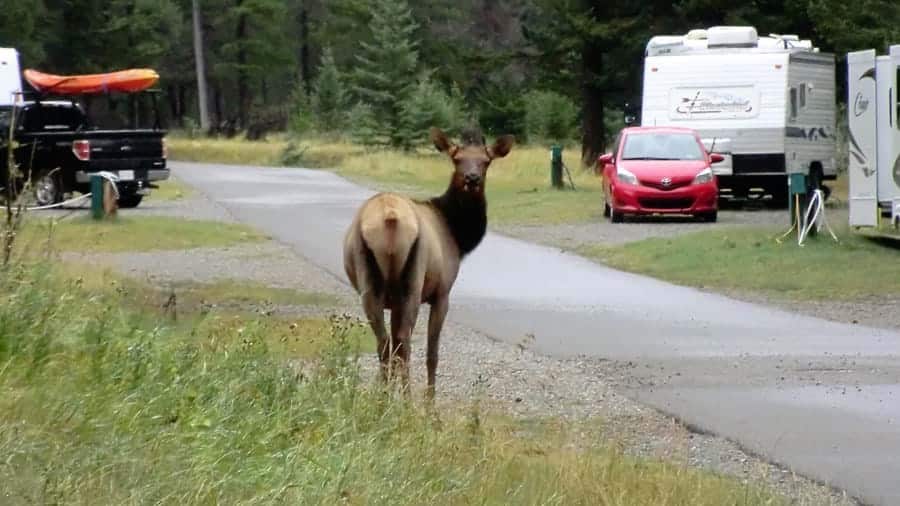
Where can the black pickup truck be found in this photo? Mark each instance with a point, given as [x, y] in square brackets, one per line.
[58, 147]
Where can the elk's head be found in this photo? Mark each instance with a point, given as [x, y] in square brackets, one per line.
[472, 158]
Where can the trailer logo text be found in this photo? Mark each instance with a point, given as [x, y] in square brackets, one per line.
[860, 105]
[719, 103]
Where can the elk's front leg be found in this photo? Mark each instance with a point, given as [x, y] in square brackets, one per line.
[435, 324]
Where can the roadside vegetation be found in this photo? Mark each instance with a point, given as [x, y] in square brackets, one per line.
[110, 393]
[518, 186]
[132, 233]
[748, 259]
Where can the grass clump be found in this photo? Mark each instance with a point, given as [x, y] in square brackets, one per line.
[134, 233]
[103, 402]
[749, 259]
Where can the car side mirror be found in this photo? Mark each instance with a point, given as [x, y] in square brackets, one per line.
[605, 158]
[715, 158]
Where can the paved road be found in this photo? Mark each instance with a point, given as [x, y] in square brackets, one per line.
[819, 397]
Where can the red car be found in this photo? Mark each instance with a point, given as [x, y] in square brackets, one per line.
[659, 170]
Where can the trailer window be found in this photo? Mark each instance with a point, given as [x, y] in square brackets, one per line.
[802, 95]
[793, 104]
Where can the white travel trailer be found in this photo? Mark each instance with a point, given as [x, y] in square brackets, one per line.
[772, 97]
[873, 112]
[10, 80]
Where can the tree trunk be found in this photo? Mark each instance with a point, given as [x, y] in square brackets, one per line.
[305, 72]
[200, 62]
[174, 106]
[182, 100]
[242, 78]
[218, 102]
[593, 127]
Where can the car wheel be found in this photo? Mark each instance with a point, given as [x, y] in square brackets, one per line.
[709, 217]
[129, 200]
[48, 189]
[614, 216]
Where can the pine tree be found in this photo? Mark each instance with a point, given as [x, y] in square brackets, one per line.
[429, 105]
[329, 99]
[384, 76]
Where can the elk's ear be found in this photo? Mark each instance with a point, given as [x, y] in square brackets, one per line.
[502, 146]
[441, 142]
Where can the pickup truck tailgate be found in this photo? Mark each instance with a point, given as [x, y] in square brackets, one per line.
[119, 150]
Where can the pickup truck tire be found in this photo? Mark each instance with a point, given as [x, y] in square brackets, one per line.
[48, 189]
[129, 200]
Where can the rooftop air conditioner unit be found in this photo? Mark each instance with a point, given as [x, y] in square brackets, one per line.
[732, 36]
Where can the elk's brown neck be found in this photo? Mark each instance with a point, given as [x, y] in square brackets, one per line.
[466, 216]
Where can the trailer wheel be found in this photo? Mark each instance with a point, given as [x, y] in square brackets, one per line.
[814, 181]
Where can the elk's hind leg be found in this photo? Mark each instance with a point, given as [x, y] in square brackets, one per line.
[403, 320]
[371, 285]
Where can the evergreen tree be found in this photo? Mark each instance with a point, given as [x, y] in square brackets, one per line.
[383, 78]
[429, 105]
[329, 99]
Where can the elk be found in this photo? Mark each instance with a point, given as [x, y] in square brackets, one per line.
[400, 253]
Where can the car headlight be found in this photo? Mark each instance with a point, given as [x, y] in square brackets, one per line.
[626, 176]
[705, 176]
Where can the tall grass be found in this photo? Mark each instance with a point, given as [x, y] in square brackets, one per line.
[103, 402]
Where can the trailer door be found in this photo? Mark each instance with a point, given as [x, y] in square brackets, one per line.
[862, 119]
[889, 153]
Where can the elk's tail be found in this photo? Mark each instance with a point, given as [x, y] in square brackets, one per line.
[389, 228]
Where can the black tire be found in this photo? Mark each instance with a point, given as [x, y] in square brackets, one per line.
[814, 181]
[615, 217]
[48, 189]
[606, 210]
[710, 217]
[130, 200]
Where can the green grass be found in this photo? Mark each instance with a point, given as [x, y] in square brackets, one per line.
[518, 186]
[104, 400]
[132, 233]
[749, 259]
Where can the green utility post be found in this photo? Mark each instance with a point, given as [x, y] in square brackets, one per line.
[556, 166]
[798, 191]
[96, 197]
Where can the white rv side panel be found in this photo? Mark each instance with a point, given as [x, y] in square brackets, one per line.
[810, 134]
[861, 122]
[886, 123]
[889, 167]
[738, 96]
[10, 77]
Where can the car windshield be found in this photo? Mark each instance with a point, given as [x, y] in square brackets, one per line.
[661, 146]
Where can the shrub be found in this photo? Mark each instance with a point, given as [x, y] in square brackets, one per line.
[550, 116]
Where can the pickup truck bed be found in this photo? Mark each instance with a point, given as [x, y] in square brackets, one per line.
[59, 150]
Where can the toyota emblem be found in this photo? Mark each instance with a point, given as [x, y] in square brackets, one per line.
[666, 181]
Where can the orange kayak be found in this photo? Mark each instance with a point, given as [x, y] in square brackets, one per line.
[126, 81]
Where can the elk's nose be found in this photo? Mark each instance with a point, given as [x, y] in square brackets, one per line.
[473, 179]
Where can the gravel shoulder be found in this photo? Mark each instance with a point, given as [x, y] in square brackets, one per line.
[507, 378]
